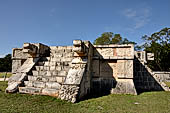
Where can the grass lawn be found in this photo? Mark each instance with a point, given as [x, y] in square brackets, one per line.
[2, 75]
[149, 102]
[167, 83]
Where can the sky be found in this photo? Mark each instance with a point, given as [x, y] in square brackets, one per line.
[59, 22]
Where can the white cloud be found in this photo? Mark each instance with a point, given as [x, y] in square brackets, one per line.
[139, 17]
[2, 55]
[129, 13]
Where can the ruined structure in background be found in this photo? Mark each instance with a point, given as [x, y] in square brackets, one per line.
[74, 72]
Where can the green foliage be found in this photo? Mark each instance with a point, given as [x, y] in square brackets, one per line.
[149, 102]
[110, 38]
[6, 64]
[159, 44]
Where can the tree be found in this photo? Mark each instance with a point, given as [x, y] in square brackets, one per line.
[104, 39]
[110, 38]
[159, 44]
[6, 64]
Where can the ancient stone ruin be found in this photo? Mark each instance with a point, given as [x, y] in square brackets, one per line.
[76, 72]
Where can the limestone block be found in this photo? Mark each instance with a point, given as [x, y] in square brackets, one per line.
[68, 51]
[52, 64]
[62, 73]
[46, 68]
[79, 60]
[52, 79]
[124, 86]
[16, 64]
[52, 68]
[14, 82]
[46, 64]
[35, 73]
[42, 73]
[38, 84]
[32, 78]
[37, 68]
[28, 83]
[53, 47]
[30, 90]
[12, 87]
[45, 79]
[77, 42]
[78, 49]
[69, 92]
[55, 72]
[49, 73]
[67, 59]
[28, 65]
[105, 52]
[66, 63]
[74, 76]
[66, 68]
[69, 47]
[125, 68]
[51, 92]
[53, 85]
[56, 59]
[58, 63]
[60, 79]
[58, 55]
[18, 54]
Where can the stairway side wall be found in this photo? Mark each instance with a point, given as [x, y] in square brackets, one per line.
[144, 79]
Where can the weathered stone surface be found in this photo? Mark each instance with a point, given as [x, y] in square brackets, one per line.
[72, 72]
[15, 81]
[125, 86]
[51, 92]
[30, 90]
[125, 68]
[53, 85]
[74, 76]
[28, 64]
[69, 92]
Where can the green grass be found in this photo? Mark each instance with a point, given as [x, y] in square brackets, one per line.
[149, 102]
[167, 83]
[2, 74]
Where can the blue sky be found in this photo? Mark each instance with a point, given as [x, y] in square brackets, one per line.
[58, 22]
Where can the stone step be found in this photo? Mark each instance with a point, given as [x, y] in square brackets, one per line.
[58, 79]
[53, 85]
[50, 73]
[30, 90]
[37, 84]
[51, 92]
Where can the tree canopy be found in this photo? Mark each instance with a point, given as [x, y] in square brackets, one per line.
[110, 38]
[159, 44]
[6, 64]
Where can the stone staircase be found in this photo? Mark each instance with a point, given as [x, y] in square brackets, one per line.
[157, 78]
[49, 73]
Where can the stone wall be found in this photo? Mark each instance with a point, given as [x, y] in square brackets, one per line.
[113, 68]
